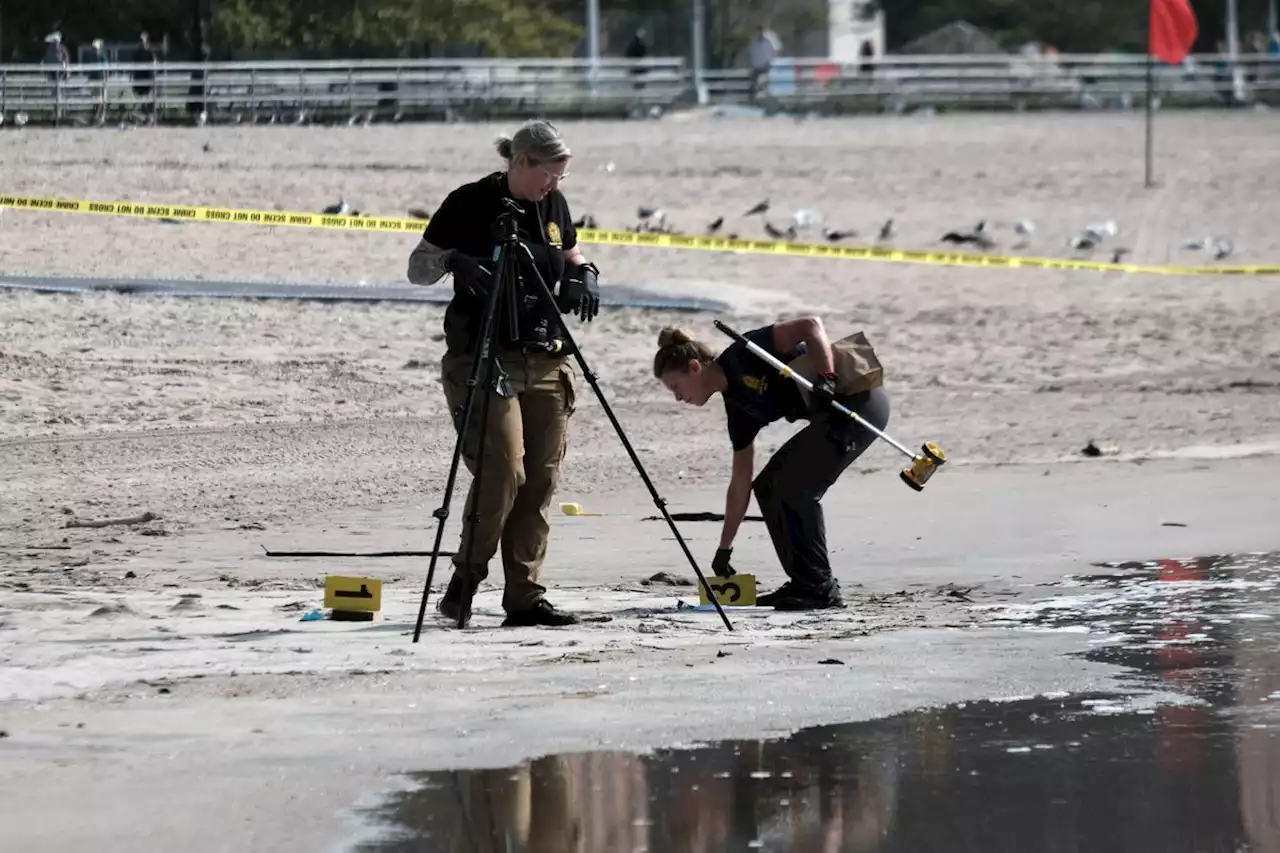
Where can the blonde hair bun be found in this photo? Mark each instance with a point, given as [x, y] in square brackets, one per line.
[537, 139]
[675, 336]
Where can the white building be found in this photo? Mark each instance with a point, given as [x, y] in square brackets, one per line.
[851, 26]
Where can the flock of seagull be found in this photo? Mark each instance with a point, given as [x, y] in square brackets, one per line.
[1092, 237]
[655, 220]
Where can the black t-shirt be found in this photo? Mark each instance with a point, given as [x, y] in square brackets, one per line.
[757, 395]
[467, 222]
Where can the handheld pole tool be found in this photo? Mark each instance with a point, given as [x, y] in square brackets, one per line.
[923, 464]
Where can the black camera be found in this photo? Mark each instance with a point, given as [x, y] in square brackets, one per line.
[531, 323]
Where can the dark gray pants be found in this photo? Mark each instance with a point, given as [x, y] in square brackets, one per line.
[790, 487]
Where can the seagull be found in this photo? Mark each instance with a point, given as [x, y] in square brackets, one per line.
[886, 230]
[978, 236]
[1025, 227]
[834, 236]
[1092, 235]
[761, 207]
[1118, 255]
[1222, 248]
[789, 234]
[1199, 245]
[1085, 241]
[651, 219]
[715, 225]
[418, 213]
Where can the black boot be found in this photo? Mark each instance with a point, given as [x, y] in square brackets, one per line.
[824, 596]
[541, 614]
[769, 598]
[451, 603]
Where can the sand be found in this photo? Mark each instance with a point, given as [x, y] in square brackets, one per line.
[243, 426]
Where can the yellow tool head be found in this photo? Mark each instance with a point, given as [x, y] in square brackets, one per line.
[912, 479]
[923, 466]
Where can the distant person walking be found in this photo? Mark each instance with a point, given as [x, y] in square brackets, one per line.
[97, 75]
[57, 56]
[761, 52]
[638, 48]
[143, 78]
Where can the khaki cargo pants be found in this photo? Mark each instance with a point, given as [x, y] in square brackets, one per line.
[524, 445]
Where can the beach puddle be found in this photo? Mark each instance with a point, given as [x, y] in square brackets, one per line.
[1185, 760]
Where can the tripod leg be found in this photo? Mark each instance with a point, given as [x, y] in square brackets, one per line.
[658, 500]
[468, 592]
[481, 358]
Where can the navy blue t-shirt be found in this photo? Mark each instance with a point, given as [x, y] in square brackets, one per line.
[757, 395]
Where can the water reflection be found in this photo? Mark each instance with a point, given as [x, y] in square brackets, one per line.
[1078, 773]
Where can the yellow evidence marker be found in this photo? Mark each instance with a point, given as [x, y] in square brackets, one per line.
[734, 591]
[352, 599]
[576, 509]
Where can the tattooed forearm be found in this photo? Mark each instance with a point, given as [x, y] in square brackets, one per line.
[574, 256]
[426, 264]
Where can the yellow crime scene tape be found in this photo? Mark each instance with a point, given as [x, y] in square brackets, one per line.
[296, 219]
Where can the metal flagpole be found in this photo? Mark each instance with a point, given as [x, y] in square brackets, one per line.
[1150, 182]
[593, 38]
[1233, 51]
[699, 54]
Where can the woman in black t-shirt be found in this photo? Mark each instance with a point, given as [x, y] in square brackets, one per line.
[790, 487]
[530, 404]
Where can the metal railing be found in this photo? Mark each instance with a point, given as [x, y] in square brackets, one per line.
[388, 90]
[1000, 81]
[333, 90]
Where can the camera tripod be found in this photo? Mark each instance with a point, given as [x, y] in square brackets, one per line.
[507, 295]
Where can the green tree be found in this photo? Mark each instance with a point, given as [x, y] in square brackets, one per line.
[337, 28]
[392, 27]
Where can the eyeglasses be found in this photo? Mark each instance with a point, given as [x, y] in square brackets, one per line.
[553, 176]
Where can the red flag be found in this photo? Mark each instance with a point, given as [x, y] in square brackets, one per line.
[1173, 30]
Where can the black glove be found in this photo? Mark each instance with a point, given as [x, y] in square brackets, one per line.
[470, 275]
[583, 291]
[720, 565]
[823, 394]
